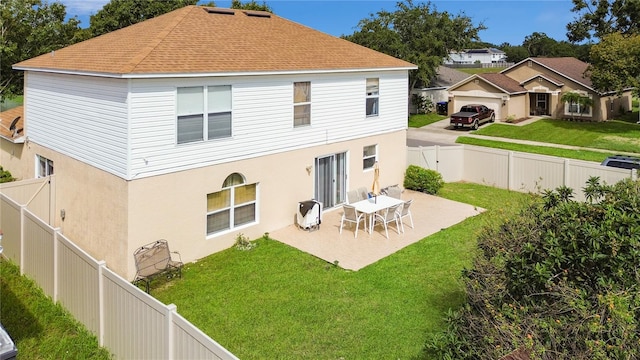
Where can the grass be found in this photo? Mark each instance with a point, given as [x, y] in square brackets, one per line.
[586, 155]
[480, 70]
[612, 135]
[11, 103]
[275, 302]
[420, 120]
[39, 328]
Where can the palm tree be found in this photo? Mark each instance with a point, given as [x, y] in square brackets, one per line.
[572, 97]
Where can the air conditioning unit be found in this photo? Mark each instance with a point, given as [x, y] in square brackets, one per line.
[309, 215]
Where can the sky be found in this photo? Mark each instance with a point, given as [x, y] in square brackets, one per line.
[506, 20]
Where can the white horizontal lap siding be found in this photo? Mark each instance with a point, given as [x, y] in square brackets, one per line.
[79, 116]
[262, 118]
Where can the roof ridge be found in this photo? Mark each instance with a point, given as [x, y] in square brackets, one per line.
[160, 36]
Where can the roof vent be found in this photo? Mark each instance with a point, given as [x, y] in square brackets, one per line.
[220, 11]
[255, 13]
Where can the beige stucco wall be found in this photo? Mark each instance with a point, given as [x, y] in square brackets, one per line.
[516, 106]
[526, 72]
[173, 206]
[15, 159]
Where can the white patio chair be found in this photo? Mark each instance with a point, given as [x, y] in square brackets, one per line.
[353, 196]
[351, 215]
[404, 211]
[363, 193]
[394, 191]
[386, 216]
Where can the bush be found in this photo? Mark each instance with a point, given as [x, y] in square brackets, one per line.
[558, 281]
[5, 176]
[423, 180]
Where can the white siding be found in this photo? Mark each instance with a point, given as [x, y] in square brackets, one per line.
[80, 116]
[262, 118]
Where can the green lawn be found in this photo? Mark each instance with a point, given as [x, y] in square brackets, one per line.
[275, 302]
[480, 70]
[11, 103]
[420, 120]
[610, 135]
[39, 328]
[534, 149]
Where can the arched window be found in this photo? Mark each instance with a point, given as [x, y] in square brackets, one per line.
[233, 206]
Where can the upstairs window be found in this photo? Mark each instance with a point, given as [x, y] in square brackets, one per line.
[301, 104]
[369, 156]
[194, 103]
[373, 97]
[44, 166]
[233, 206]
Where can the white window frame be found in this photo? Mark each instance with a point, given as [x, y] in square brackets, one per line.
[205, 105]
[567, 107]
[44, 167]
[366, 157]
[372, 96]
[306, 104]
[233, 206]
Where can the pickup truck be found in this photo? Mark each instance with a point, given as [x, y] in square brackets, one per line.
[473, 116]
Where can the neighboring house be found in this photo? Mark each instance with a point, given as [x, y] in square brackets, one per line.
[437, 89]
[476, 56]
[204, 123]
[534, 87]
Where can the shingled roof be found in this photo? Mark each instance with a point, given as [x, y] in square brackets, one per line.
[568, 67]
[15, 133]
[503, 82]
[202, 40]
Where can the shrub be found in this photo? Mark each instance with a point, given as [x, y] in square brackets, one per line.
[5, 176]
[423, 180]
[558, 281]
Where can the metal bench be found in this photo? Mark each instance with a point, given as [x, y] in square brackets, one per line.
[154, 259]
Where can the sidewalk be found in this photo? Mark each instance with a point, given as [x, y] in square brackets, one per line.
[440, 133]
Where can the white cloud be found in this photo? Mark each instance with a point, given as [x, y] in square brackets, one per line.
[83, 7]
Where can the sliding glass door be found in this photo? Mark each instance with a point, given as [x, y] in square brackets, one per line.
[331, 179]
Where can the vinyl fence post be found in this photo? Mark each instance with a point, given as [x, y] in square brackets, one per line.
[171, 309]
[634, 174]
[56, 263]
[22, 209]
[101, 266]
[565, 178]
[510, 170]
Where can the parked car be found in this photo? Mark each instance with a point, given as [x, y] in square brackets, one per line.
[472, 116]
[622, 161]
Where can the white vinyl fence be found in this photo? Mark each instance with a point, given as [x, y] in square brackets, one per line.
[127, 321]
[512, 170]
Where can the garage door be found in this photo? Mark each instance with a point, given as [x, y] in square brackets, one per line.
[491, 103]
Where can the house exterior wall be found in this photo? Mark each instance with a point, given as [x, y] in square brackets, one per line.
[530, 69]
[94, 203]
[516, 106]
[13, 157]
[262, 118]
[81, 116]
[173, 206]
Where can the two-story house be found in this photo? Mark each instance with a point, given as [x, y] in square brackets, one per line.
[476, 56]
[204, 123]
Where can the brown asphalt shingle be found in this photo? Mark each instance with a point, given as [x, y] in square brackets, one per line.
[7, 117]
[503, 82]
[568, 67]
[192, 40]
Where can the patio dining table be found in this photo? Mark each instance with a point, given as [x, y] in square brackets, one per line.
[374, 204]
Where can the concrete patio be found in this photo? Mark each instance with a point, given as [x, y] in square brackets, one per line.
[430, 215]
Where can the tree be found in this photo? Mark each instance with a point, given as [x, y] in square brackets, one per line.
[251, 5]
[598, 18]
[557, 281]
[515, 53]
[614, 63]
[418, 34]
[29, 28]
[574, 98]
[118, 14]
